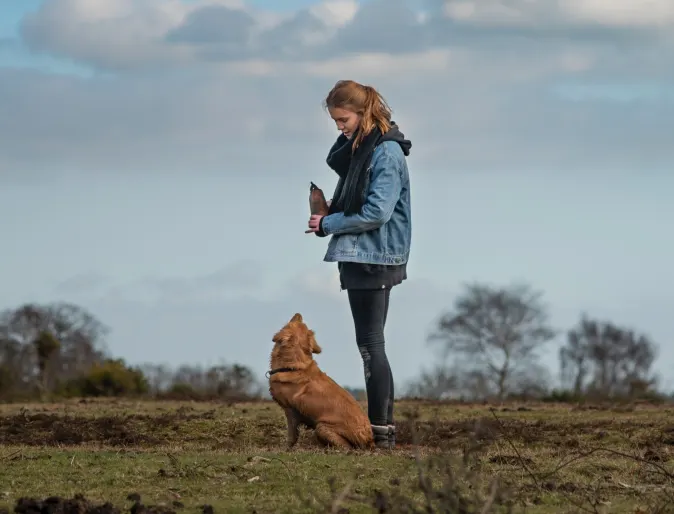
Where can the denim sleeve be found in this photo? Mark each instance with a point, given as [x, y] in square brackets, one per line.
[383, 194]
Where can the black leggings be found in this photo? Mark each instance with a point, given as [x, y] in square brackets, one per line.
[369, 308]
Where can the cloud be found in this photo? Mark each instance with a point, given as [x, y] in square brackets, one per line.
[221, 122]
[625, 14]
[204, 86]
[335, 13]
[552, 38]
[657, 14]
[144, 33]
[83, 283]
[242, 277]
[291, 37]
[232, 281]
[215, 24]
[390, 26]
[112, 33]
[167, 123]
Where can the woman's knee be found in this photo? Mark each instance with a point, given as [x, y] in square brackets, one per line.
[374, 359]
[373, 339]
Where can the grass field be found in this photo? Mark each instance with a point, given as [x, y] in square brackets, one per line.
[535, 458]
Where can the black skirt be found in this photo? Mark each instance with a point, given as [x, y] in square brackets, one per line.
[358, 275]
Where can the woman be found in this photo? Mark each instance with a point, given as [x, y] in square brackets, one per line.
[370, 223]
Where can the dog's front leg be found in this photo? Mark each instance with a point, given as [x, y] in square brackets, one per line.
[293, 426]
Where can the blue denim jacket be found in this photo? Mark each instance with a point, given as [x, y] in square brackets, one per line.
[381, 233]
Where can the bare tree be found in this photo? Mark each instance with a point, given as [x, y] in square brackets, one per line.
[607, 360]
[18, 331]
[225, 381]
[15, 366]
[46, 347]
[439, 383]
[574, 357]
[236, 380]
[531, 382]
[159, 377]
[82, 338]
[495, 333]
[192, 376]
[75, 333]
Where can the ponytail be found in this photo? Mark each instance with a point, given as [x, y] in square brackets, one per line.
[363, 100]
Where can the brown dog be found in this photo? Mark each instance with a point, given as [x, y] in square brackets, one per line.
[310, 397]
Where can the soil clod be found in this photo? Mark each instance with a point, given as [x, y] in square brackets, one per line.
[81, 505]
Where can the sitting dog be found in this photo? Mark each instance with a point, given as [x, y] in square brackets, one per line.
[309, 397]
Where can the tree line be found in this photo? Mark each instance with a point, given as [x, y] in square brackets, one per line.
[489, 346]
[59, 350]
[490, 342]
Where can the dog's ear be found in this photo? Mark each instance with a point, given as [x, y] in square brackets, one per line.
[282, 336]
[296, 317]
[315, 348]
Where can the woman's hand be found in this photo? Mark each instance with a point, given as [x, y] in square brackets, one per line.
[314, 223]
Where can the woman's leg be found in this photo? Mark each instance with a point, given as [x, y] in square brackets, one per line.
[369, 309]
[391, 398]
[389, 414]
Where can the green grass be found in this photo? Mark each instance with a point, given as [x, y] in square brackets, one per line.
[230, 482]
[544, 458]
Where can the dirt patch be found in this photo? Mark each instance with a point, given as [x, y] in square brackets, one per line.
[80, 505]
[440, 433]
[45, 429]
[488, 429]
[185, 426]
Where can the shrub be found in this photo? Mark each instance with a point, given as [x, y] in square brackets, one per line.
[110, 378]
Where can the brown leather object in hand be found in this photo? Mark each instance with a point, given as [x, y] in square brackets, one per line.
[317, 202]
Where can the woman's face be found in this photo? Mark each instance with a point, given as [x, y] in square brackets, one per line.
[347, 121]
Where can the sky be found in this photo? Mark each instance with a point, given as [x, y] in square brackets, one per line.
[155, 158]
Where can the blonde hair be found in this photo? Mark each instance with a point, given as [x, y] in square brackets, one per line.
[365, 101]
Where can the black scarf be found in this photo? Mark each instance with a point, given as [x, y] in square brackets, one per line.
[353, 167]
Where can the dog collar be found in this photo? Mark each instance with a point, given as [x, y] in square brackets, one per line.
[268, 374]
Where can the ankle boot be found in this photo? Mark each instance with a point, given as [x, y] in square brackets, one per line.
[392, 436]
[381, 436]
